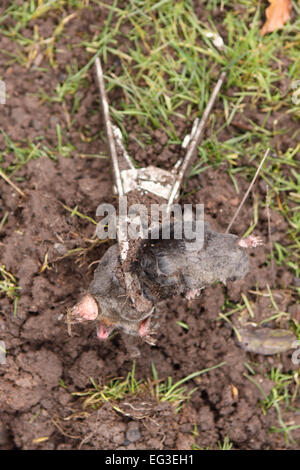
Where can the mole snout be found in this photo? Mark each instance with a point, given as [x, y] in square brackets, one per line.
[238, 264]
[238, 259]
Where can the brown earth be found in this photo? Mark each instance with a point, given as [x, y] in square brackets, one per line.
[33, 246]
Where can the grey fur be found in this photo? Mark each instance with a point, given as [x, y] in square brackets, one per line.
[165, 268]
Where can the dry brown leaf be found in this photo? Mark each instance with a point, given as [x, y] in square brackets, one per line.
[277, 14]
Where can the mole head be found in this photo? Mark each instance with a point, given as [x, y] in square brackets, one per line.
[235, 251]
[222, 258]
[237, 260]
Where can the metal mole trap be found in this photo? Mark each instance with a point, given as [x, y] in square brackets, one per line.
[151, 179]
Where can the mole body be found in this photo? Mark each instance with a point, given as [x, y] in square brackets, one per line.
[163, 268]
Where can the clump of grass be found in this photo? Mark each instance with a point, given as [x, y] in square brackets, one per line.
[224, 444]
[281, 390]
[165, 390]
[117, 389]
[113, 391]
[9, 286]
[281, 394]
[27, 12]
[8, 283]
[24, 152]
[281, 398]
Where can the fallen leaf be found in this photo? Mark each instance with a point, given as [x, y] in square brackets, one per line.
[277, 14]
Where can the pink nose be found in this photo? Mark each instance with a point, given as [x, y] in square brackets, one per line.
[250, 242]
[103, 331]
[144, 327]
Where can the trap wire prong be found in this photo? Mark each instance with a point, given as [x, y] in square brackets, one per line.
[110, 133]
[130, 282]
[109, 128]
[248, 190]
[194, 142]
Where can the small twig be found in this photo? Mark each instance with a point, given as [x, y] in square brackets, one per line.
[90, 435]
[6, 178]
[248, 191]
[55, 421]
[121, 233]
[270, 236]
[192, 147]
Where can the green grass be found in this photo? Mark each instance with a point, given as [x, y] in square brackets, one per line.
[226, 444]
[166, 70]
[8, 283]
[282, 397]
[116, 389]
[9, 287]
[175, 393]
[23, 152]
